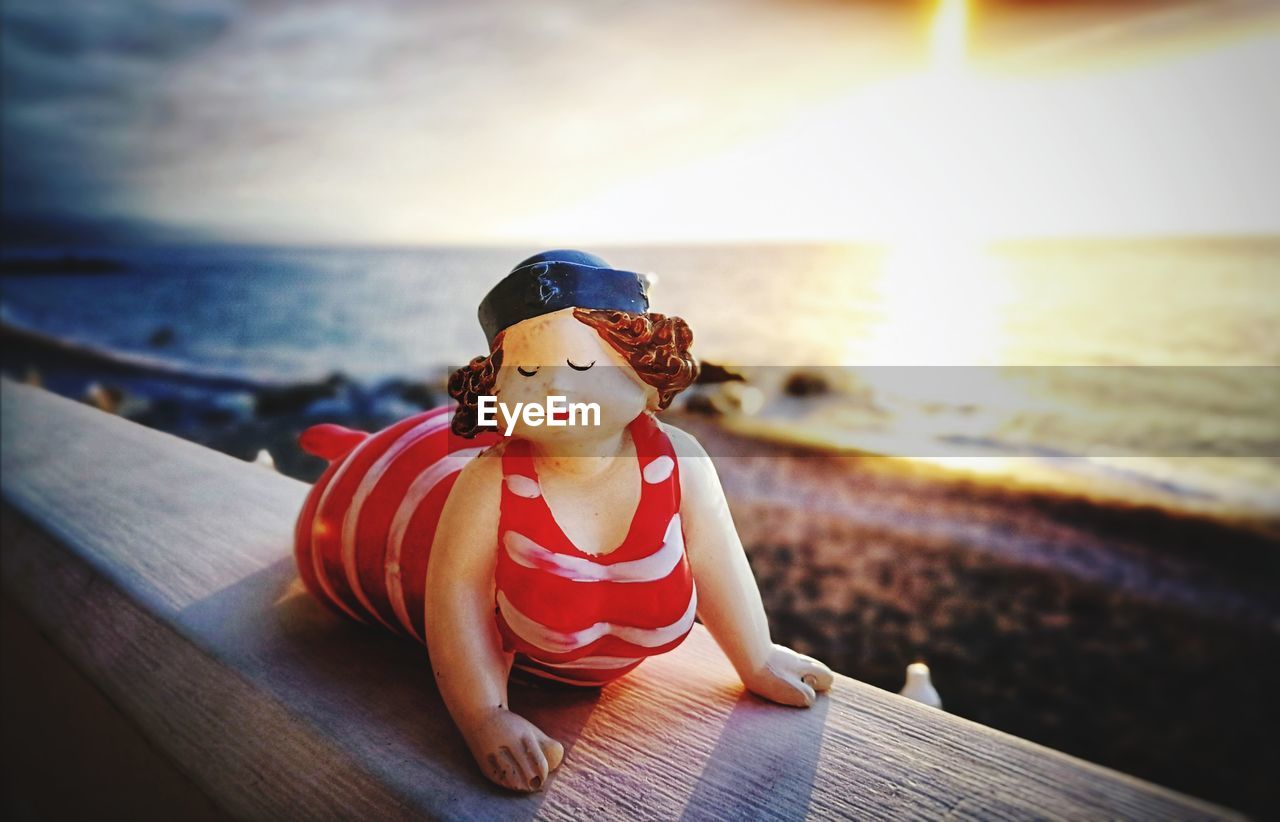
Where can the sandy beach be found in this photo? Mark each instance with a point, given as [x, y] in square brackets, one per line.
[1125, 634]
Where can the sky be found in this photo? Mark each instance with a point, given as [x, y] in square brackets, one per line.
[551, 123]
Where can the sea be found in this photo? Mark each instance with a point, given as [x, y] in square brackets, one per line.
[1147, 369]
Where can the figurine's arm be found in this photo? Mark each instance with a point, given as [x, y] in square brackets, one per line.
[466, 651]
[729, 603]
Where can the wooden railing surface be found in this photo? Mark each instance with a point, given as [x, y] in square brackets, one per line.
[163, 572]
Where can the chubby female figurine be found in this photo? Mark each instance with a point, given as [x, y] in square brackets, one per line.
[569, 533]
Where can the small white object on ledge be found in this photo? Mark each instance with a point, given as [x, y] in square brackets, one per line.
[919, 687]
[265, 460]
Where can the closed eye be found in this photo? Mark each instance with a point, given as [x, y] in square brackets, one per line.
[526, 373]
[579, 367]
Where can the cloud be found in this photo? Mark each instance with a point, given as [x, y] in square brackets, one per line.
[385, 121]
[83, 82]
[388, 120]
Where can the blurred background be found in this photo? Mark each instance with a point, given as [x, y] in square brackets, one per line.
[986, 295]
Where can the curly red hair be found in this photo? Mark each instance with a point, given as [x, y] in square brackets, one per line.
[654, 345]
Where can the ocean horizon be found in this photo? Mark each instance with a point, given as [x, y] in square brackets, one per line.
[1163, 349]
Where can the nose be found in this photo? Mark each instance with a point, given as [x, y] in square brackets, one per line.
[565, 381]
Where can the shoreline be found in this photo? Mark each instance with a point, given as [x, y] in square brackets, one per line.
[1012, 474]
[1097, 539]
[261, 404]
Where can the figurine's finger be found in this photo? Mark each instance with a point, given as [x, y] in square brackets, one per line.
[811, 660]
[502, 770]
[537, 760]
[819, 676]
[801, 658]
[552, 748]
[789, 690]
[806, 693]
[776, 685]
[521, 776]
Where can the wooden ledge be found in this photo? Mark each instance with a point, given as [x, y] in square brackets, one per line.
[163, 571]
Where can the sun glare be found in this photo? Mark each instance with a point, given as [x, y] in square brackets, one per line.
[949, 36]
[959, 150]
[942, 294]
[935, 131]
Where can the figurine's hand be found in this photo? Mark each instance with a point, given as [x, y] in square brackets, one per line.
[512, 751]
[789, 678]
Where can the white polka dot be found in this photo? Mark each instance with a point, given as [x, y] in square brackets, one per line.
[659, 469]
[523, 486]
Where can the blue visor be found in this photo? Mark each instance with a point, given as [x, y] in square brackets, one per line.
[545, 287]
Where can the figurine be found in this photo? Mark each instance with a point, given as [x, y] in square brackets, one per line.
[919, 686]
[570, 533]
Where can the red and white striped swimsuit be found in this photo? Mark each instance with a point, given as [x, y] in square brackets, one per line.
[364, 535]
[588, 619]
[363, 542]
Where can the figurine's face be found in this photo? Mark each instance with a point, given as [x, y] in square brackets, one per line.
[557, 355]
